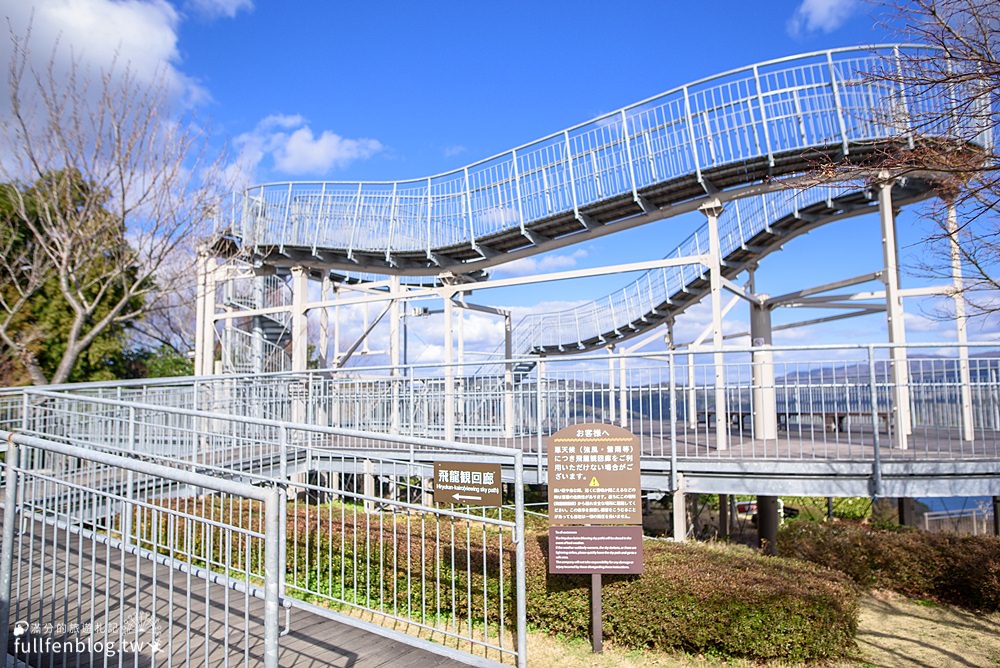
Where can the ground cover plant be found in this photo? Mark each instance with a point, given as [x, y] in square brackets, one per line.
[960, 570]
[721, 600]
[718, 600]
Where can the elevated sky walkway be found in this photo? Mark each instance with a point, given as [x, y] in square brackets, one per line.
[732, 133]
[749, 230]
[741, 139]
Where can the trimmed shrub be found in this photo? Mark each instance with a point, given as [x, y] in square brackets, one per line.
[725, 601]
[960, 570]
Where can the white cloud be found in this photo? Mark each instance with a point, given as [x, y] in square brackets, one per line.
[454, 150]
[103, 35]
[293, 148]
[219, 8]
[530, 266]
[820, 16]
[304, 153]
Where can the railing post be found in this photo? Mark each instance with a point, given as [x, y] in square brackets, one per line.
[273, 572]
[284, 222]
[7, 547]
[628, 156]
[572, 177]
[540, 409]
[690, 127]
[836, 101]
[520, 584]
[671, 359]
[876, 486]
[517, 190]
[508, 378]
[763, 116]
[902, 98]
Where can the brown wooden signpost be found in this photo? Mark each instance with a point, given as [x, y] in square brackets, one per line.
[595, 480]
[467, 484]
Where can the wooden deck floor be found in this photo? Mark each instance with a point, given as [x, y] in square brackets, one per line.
[65, 582]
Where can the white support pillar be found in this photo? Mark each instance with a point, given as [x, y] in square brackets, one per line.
[765, 403]
[205, 365]
[300, 321]
[508, 378]
[764, 397]
[449, 368]
[335, 358]
[460, 369]
[324, 323]
[257, 341]
[622, 390]
[612, 409]
[395, 351]
[692, 393]
[679, 508]
[200, 314]
[712, 211]
[894, 313]
[961, 326]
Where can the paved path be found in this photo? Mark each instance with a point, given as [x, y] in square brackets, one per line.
[69, 582]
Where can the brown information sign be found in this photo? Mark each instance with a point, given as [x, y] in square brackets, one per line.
[467, 484]
[594, 476]
[602, 550]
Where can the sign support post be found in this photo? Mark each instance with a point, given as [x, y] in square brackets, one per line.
[596, 615]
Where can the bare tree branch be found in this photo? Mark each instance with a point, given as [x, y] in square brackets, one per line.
[106, 186]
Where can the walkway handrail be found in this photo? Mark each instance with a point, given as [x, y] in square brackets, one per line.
[760, 112]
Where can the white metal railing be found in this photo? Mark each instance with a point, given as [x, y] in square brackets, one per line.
[247, 352]
[616, 314]
[101, 554]
[362, 530]
[831, 403]
[821, 99]
[971, 521]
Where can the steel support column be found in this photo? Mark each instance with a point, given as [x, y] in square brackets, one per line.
[712, 211]
[395, 351]
[449, 368]
[508, 378]
[205, 310]
[961, 325]
[894, 313]
[724, 522]
[257, 341]
[763, 396]
[692, 394]
[324, 323]
[200, 315]
[679, 512]
[300, 321]
[612, 410]
[767, 524]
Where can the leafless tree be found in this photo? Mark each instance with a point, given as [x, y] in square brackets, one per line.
[951, 88]
[107, 186]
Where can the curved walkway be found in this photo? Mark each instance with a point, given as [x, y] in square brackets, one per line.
[732, 135]
[649, 160]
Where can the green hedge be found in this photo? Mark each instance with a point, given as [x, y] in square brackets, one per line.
[725, 601]
[960, 570]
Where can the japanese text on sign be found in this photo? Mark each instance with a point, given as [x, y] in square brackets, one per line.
[467, 484]
[594, 476]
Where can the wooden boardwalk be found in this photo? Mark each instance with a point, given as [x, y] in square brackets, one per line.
[72, 588]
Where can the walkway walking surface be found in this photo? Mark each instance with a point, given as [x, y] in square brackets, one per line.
[169, 617]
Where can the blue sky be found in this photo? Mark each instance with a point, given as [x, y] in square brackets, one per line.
[393, 90]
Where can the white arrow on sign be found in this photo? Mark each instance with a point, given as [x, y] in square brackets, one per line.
[466, 497]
